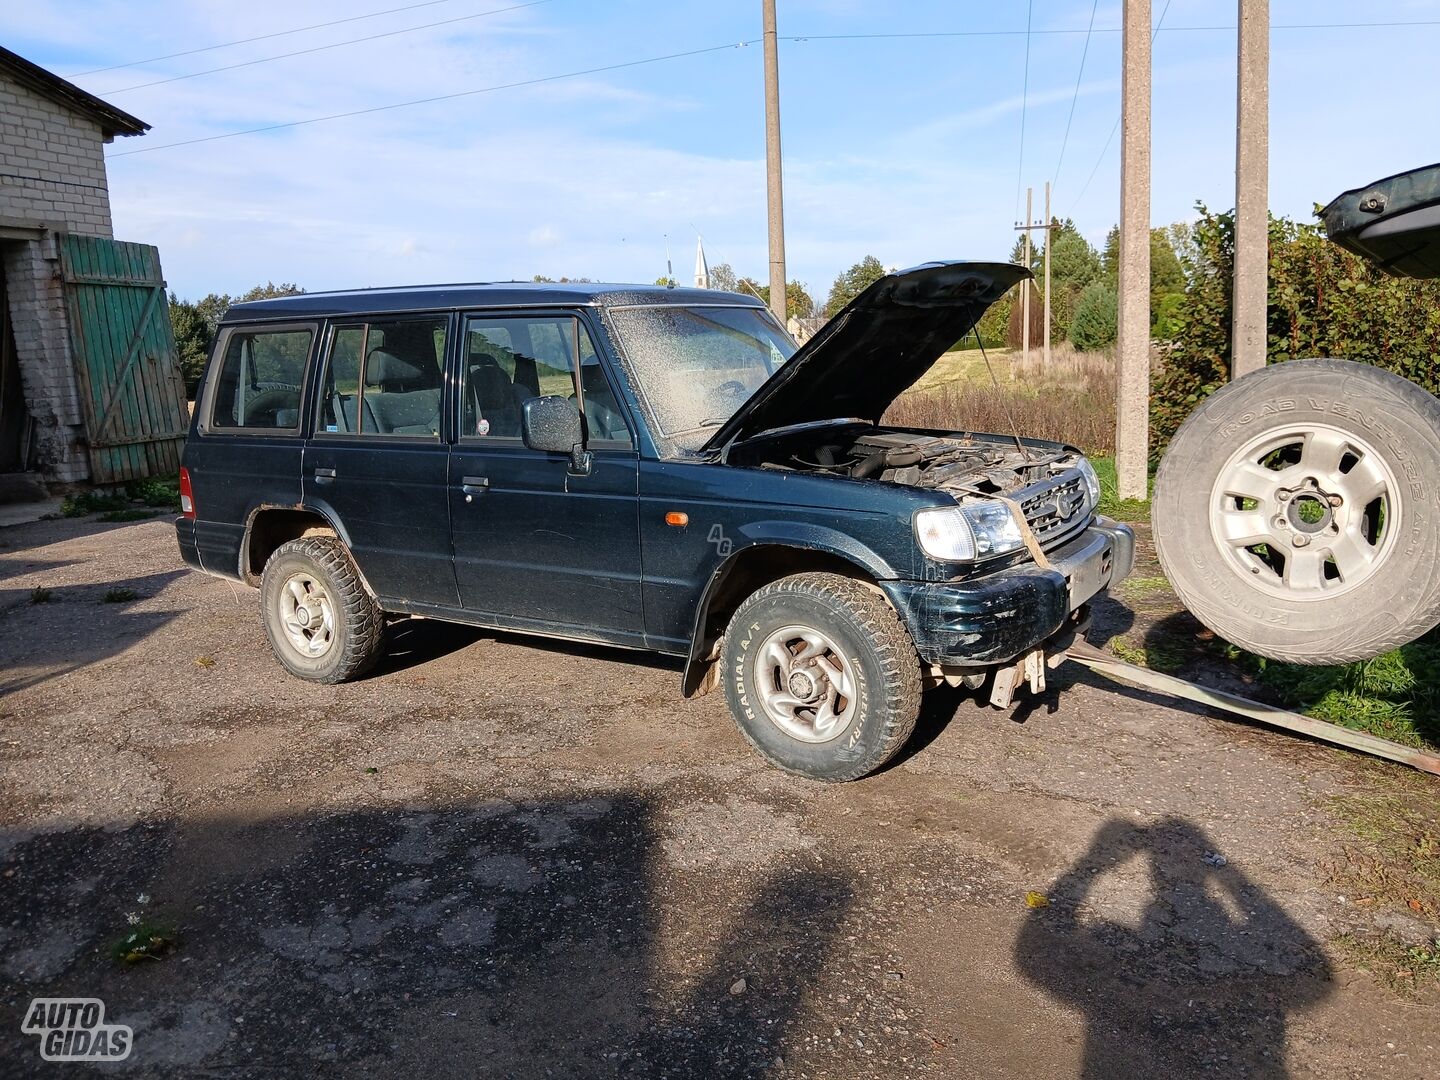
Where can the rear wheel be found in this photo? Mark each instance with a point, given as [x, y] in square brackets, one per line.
[821, 676]
[1297, 512]
[322, 624]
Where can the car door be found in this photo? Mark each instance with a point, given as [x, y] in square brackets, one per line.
[377, 461]
[538, 545]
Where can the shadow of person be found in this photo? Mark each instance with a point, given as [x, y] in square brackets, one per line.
[1201, 976]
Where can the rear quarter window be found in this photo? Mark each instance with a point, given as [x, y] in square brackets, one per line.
[258, 380]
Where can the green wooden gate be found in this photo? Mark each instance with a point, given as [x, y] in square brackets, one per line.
[126, 365]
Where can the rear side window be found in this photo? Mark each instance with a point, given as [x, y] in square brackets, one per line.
[258, 385]
[385, 377]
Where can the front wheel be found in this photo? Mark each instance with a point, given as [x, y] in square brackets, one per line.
[821, 676]
[322, 624]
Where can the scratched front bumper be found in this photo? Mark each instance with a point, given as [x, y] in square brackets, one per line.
[997, 617]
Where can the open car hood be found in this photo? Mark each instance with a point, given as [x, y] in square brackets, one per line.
[1394, 222]
[875, 349]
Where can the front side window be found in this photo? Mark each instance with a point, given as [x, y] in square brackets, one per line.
[385, 377]
[695, 366]
[258, 385]
[509, 360]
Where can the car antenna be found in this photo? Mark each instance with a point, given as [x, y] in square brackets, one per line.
[1004, 401]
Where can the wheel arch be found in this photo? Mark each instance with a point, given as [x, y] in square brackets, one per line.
[271, 525]
[740, 574]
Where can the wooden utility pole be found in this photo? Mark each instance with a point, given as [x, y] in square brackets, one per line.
[1025, 285]
[1132, 422]
[1049, 236]
[1027, 246]
[1249, 327]
[775, 198]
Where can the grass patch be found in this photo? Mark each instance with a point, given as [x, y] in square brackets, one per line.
[1111, 505]
[1395, 695]
[1164, 654]
[40, 595]
[1143, 586]
[120, 596]
[91, 502]
[156, 492]
[130, 514]
[1406, 969]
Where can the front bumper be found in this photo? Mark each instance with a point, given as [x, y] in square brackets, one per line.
[994, 618]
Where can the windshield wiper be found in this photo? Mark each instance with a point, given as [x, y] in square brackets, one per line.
[713, 421]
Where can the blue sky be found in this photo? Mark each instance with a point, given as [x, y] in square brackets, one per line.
[907, 148]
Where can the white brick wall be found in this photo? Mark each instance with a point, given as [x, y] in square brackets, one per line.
[37, 313]
[63, 153]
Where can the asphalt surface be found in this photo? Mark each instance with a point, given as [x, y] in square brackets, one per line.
[501, 857]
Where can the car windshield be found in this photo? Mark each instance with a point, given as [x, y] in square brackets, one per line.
[696, 365]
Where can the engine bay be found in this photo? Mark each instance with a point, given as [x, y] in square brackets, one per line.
[962, 464]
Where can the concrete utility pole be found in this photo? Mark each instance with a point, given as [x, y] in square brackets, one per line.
[1025, 285]
[1132, 422]
[1248, 329]
[1049, 236]
[775, 198]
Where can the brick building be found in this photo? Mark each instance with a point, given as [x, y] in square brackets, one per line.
[52, 186]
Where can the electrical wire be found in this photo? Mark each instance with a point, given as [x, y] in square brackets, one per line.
[1106, 148]
[1079, 75]
[257, 37]
[323, 48]
[1024, 106]
[430, 100]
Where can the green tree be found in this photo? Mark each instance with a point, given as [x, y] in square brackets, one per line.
[798, 304]
[1093, 326]
[192, 340]
[723, 277]
[670, 282]
[750, 287]
[852, 283]
[1323, 301]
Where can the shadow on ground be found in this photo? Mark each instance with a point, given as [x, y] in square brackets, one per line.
[494, 939]
[1202, 980]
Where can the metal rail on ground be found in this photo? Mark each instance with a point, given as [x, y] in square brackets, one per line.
[1111, 667]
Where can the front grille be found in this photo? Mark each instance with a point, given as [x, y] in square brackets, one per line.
[1056, 507]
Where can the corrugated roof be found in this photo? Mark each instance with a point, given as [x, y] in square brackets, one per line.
[112, 121]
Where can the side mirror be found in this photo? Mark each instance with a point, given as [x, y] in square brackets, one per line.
[553, 424]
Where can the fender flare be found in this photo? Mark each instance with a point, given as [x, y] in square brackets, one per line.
[331, 520]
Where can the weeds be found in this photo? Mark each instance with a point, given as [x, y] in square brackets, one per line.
[129, 515]
[91, 502]
[1406, 969]
[144, 941]
[40, 595]
[156, 492]
[120, 596]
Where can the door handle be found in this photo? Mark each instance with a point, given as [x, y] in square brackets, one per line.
[324, 474]
[474, 485]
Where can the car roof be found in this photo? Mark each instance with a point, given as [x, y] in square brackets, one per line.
[478, 294]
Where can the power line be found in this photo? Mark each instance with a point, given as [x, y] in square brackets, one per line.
[438, 97]
[1371, 25]
[1106, 148]
[258, 37]
[323, 48]
[1079, 75]
[1024, 106]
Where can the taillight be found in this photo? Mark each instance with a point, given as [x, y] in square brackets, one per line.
[187, 496]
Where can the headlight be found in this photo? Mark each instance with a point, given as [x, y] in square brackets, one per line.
[964, 533]
[1092, 481]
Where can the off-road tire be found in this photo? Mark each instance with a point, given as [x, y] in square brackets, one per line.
[1395, 600]
[882, 658]
[358, 624]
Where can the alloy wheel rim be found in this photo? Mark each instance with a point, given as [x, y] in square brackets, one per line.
[1305, 513]
[805, 684]
[307, 614]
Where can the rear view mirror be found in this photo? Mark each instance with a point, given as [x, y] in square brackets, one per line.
[553, 424]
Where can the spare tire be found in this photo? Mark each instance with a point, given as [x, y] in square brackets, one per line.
[1297, 512]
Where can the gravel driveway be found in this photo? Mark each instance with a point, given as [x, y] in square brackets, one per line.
[501, 857]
